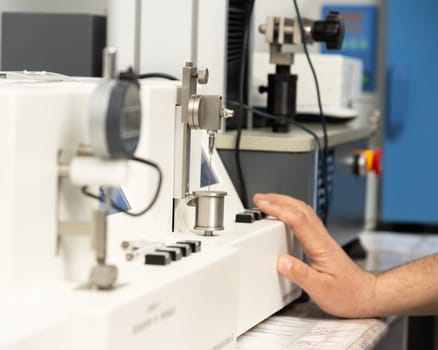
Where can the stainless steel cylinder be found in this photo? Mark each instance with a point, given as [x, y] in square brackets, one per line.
[209, 210]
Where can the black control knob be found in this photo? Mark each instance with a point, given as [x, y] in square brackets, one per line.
[263, 89]
[331, 31]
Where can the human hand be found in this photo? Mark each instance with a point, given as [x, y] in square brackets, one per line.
[334, 282]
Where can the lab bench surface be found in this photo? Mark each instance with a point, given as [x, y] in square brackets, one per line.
[304, 326]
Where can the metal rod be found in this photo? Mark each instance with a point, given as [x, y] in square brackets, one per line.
[109, 63]
[99, 236]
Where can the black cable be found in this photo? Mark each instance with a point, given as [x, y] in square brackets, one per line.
[85, 191]
[275, 117]
[157, 75]
[324, 157]
[131, 75]
[244, 55]
[290, 121]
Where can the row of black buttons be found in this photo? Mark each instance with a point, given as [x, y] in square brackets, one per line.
[250, 215]
[172, 252]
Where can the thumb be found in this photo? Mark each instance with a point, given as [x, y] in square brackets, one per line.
[299, 273]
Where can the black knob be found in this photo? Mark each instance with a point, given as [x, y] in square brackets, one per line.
[263, 89]
[331, 31]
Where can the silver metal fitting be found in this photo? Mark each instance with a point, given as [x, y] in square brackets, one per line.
[109, 63]
[63, 170]
[211, 140]
[227, 113]
[202, 76]
[103, 277]
[262, 28]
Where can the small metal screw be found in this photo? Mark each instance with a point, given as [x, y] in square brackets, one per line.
[262, 28]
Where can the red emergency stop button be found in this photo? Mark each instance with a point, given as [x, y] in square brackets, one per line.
[377, 161]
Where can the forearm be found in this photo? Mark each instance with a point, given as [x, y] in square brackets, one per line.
[407, 289]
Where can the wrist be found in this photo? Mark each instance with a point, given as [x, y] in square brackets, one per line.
[369, 304]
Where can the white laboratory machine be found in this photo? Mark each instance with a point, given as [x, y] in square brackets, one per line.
[77, 274]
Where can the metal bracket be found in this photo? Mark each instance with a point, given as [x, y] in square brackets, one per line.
[102, 276]
[281, 31]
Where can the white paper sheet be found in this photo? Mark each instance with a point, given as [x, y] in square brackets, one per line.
[288, 332]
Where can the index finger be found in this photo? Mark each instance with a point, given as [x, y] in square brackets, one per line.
[300, 217]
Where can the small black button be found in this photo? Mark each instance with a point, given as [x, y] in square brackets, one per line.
[258, 214]
[245, 217]
[157, 258]
[195, 245]
[185, 248]
[175, 253]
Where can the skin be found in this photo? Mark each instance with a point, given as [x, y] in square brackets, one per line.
[336, 283]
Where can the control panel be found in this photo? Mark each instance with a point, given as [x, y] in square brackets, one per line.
[159, 253]
[360, 39]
